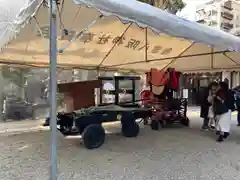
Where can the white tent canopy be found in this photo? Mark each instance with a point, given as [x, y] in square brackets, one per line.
[108, 44]
[111, 45]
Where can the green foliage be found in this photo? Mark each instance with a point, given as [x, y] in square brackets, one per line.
[176, 5]
[179, 4]
[172, 6]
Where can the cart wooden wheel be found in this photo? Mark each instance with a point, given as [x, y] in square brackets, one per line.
[93, 136]
[130, 129]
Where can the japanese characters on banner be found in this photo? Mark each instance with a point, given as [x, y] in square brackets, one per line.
[106, 38]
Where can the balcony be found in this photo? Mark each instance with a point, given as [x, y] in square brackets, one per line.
[227, 15]
[226, 26]
[228, 5]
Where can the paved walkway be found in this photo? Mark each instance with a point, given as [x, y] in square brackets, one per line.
[21, 126]
[195, 110]
[174, 153]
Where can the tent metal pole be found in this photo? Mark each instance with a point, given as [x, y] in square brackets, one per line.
[53, 88]
[146, 44]
[212, 58]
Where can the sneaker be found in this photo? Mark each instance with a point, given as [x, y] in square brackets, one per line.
[226, 135]
[212, 127]
[205, 129]
[220, 139]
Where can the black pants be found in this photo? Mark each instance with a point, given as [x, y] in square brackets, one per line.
[205, 122]
[238, 116]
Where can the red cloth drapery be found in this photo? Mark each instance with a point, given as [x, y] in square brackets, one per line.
[146, 96]
[157, 77]
[174, 79]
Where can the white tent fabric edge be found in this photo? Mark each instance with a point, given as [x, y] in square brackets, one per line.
[160, 21]
[139, 13]
[132, 7]
[13, 26]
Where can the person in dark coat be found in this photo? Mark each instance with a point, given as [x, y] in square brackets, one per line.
[224, 105]
[236, 91]
[238, 108]
[205, 105]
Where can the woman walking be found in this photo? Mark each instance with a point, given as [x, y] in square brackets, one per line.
[223, 105]
[206, 103]
[236, 92]
[211, 114]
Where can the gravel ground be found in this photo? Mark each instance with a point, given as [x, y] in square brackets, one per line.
[170, 154]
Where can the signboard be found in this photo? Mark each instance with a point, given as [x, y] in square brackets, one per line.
[106, 38]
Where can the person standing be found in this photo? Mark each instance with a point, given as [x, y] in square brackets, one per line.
[211, 114]
[238, 110]
[223, 106]
[236, 92]
[205, 105]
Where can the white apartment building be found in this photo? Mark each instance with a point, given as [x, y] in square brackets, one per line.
[221, 14]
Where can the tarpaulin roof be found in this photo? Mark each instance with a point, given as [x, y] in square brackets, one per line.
[146, 37]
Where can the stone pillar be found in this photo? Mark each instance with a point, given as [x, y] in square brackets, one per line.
[235, 79]
[227, 75]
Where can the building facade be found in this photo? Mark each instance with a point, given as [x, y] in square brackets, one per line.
[220, 14]
[197, 82]
[223, 15]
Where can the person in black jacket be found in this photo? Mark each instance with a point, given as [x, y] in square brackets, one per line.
[205, 105]
[223, 106]
[238, 109]
[236, 91]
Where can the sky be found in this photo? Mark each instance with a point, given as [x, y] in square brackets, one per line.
[189, 11]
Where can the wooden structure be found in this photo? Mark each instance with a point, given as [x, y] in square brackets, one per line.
[79, 94]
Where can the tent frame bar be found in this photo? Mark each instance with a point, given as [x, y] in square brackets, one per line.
[114, 45]
[115, 67]
[169, 58]
[53, 86]
[230, 59]
[76, 66]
